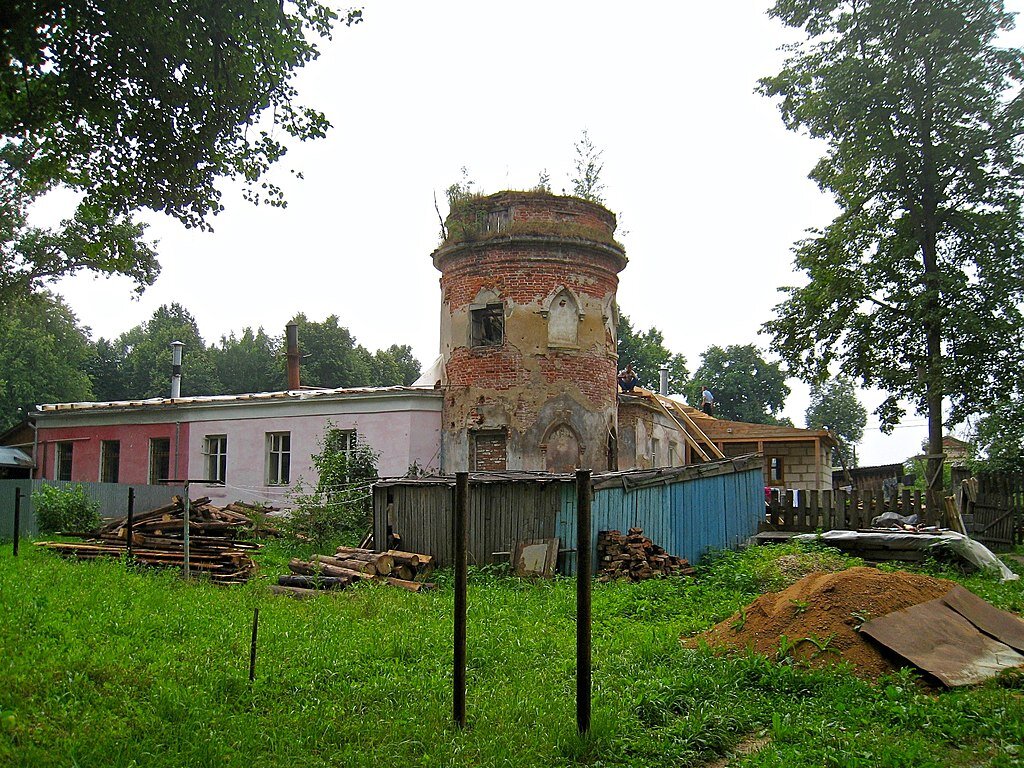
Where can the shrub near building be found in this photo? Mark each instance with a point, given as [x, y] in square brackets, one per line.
[65, 509]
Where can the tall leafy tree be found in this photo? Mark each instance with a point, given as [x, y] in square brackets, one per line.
[834, 405]
[104, 369]
[141, 105]
[394, 366]
[251, 362]
[144, 355]
[746, 387]
[999, 437]
[330, 355]
[915, 286]
[44, 354]
[646, 352]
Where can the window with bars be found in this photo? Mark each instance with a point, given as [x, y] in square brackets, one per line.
[110, 461]
[279, 458]
[159, 460]
[216, 451]
[776, 470]
[62, 461]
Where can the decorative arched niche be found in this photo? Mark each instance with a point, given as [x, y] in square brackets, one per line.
[563, 315]
[561, 447]
[610, 316]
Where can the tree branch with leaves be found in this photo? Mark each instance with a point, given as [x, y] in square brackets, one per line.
[915, 286]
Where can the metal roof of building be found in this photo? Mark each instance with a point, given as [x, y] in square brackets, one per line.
[632, 478]
[14, 457]
[293, 395]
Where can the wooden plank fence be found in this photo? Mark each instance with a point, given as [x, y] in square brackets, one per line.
[809, 511]
[991, 505]
[994, 509]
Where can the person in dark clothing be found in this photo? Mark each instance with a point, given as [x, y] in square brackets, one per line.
[628, 379]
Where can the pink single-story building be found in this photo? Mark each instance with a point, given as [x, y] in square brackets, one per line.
[258, 445]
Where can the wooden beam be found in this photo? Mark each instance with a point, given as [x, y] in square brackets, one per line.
[663, 401]
[686, 435]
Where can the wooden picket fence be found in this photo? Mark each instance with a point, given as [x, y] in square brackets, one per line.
[991, 507]
[809, 511]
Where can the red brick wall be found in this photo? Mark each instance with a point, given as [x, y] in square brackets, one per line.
[509, 386]
[524, 272]
[489, 452]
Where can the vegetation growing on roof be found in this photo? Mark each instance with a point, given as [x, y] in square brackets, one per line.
[470, 218]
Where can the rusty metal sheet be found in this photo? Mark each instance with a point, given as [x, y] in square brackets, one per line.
[1001, 625]
[937, 639]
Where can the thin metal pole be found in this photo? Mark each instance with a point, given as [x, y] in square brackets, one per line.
[584, 574]
[131, 519]
[252, 648]
[187, 505]
[17, 519]
[461, 564]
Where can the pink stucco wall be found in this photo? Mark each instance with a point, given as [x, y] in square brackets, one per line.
[400, 437]
[134, 455]
[402, 425]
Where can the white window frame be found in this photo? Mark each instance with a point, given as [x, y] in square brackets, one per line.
[215, 449]
[279, 458]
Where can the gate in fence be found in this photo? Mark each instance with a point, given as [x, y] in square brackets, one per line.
[993, 504]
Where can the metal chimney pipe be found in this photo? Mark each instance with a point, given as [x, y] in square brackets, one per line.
[291, 332]
[176, 369]
[663, 380]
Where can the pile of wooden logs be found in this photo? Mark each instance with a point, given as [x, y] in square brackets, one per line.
[635, 557]
[158, 540]
[351, 564]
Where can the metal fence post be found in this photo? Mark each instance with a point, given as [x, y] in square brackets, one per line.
[461, 565]
[584, 575]
[188, 504]
[17, 519]
[131, 520]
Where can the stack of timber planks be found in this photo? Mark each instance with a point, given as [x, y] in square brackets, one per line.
[350, 564]
[158, 540]
[635, 557]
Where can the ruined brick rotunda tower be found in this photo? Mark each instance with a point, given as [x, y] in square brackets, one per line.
[528, 333]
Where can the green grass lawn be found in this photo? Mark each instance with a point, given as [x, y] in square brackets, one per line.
[101, 665]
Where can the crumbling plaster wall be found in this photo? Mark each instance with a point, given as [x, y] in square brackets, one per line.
[648, 439]
[536, 381]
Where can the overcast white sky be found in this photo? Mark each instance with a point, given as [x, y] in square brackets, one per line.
[710, 188]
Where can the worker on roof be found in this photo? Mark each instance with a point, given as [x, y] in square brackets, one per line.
[707, 400]
[628, 378]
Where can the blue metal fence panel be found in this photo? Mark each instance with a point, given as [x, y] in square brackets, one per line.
[687, 518]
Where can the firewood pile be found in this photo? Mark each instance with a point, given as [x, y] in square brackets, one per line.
[351, 564]
[216, 543]
[635, 557]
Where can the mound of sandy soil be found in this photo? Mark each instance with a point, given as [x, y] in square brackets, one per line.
[814, 621]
